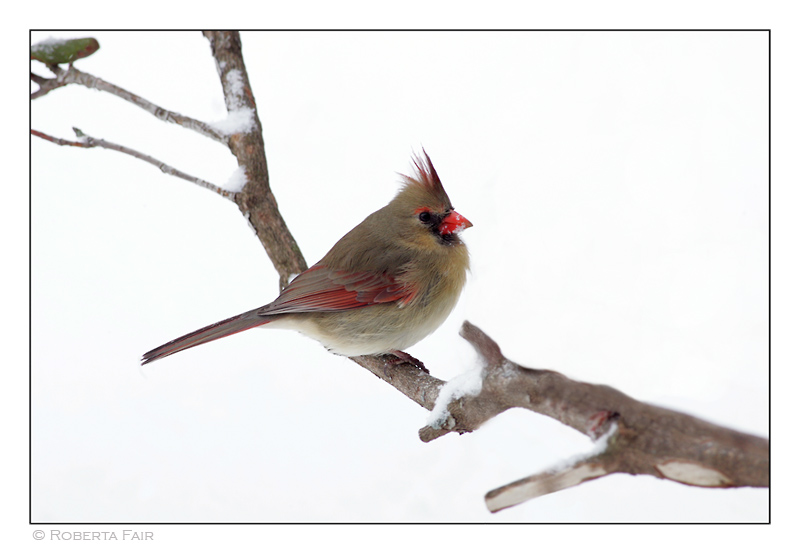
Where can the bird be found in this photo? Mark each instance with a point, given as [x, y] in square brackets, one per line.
[384, 286]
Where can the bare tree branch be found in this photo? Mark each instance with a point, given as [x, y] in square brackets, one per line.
[60, 141]
[419, 386]
[41, 81]
[72, 75]
[47, 84]
[85, 141]
[543, 483]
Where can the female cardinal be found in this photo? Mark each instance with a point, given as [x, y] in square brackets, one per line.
[386, 285]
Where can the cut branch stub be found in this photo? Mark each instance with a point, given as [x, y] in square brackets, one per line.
[483, 344]
[544, 483]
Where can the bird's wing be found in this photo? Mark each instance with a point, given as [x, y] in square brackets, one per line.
[321, 289]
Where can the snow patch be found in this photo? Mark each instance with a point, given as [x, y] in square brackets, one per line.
[468, 383]
[237, 180]
[50, 42]
[239, 120]
[235, 83]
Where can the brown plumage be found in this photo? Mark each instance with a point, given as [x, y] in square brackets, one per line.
[386, 285]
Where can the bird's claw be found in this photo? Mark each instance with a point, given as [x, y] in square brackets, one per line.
[400, 357]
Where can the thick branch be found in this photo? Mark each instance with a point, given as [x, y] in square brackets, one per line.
[256, 200]
[649, 440]
[416, 384]
[85, 141]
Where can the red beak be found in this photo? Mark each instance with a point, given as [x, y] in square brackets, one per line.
[454, 223]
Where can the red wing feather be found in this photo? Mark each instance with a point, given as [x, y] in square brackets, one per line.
[320, 289]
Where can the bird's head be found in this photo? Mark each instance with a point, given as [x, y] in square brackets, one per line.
[424, 209]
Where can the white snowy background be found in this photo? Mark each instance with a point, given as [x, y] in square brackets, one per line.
[617, 182]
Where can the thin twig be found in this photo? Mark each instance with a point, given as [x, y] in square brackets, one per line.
[47, 84]
[59, 141]
[75, 76]
[39, 80]
[87, 141]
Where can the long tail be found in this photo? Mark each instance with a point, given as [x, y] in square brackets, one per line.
[223, 328]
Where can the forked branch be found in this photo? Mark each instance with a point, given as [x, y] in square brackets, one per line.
[635, 437]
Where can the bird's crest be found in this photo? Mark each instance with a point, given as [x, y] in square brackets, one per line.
[425, 177]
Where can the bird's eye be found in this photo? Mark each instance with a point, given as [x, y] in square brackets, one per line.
[425, 217]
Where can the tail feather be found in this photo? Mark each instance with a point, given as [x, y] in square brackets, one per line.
[223, 328]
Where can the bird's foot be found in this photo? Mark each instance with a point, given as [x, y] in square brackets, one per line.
[401, 357]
